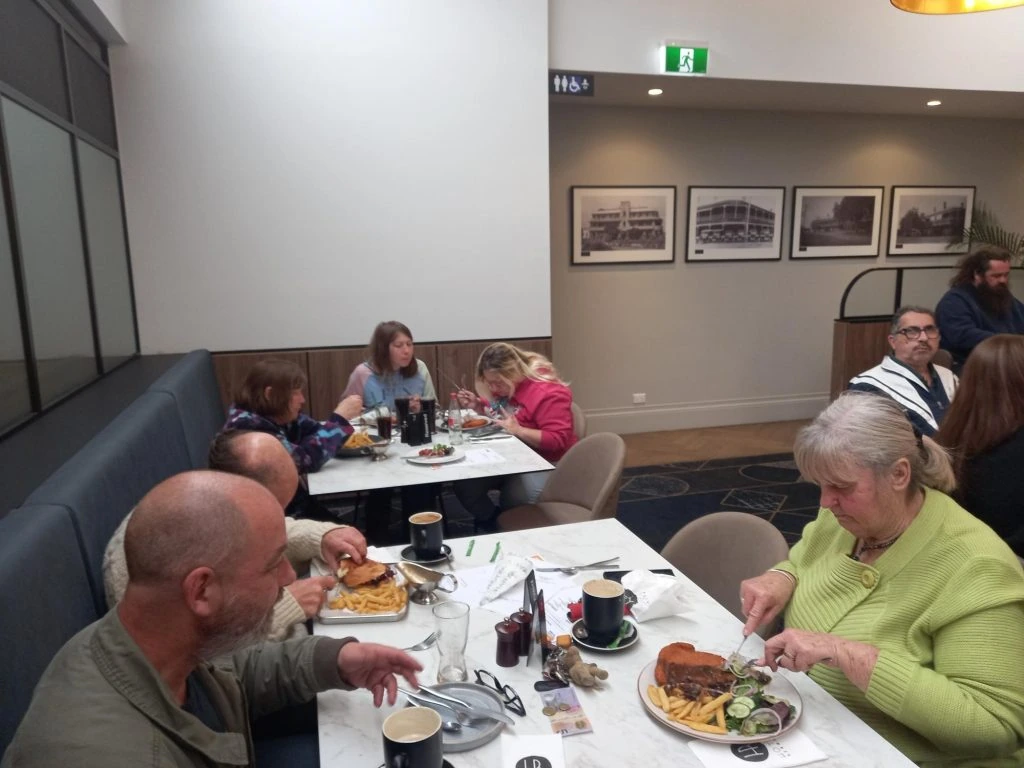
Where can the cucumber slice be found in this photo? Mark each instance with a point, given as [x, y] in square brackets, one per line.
[738, 710]
[746, 701]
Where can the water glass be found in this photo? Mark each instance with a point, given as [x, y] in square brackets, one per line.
[452, 624]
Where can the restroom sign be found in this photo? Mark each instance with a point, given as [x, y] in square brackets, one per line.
[571, 83]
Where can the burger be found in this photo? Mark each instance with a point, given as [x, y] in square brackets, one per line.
[369, 573]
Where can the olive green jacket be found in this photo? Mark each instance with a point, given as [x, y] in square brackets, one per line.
[101, 703]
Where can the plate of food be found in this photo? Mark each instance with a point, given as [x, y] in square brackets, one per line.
[438, 453]
[359, 444]
[693, 692]
[370, 591]
[473, 423]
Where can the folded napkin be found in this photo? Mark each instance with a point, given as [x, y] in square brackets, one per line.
[509, 571]
[657, 595]
[790, 749]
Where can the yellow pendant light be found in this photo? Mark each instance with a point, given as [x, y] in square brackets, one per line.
[953, 6]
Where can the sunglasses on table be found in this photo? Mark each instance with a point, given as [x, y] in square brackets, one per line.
[512, 700]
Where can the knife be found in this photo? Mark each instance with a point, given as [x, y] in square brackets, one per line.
[457, 708]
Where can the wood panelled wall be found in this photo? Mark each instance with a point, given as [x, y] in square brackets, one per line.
[450, 364]
[856, 346]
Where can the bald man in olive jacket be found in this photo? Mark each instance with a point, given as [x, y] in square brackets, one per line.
[206, 563]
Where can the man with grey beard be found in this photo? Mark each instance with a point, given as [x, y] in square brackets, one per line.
[978, 304]
[206, 563]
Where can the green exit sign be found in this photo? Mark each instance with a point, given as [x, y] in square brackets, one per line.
[684, 60]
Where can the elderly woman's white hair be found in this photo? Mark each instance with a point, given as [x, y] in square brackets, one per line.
[862, 430]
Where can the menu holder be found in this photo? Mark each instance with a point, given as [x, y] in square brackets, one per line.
[530, 604]
[540, 625]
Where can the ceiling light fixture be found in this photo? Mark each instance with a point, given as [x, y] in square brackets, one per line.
[655, 92]
[953, 6]
[933, 103]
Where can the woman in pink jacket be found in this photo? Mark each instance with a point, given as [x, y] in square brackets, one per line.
[526, 395]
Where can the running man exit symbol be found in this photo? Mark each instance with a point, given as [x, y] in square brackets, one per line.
[684, 60]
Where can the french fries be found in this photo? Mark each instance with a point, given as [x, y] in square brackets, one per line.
[358, 440]
[705, 714]
[385, 598]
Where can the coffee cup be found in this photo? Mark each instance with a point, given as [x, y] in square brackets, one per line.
[426, 534]
[604, 603]
[413, 739]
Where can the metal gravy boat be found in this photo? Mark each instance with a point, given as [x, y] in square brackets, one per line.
[425, 582]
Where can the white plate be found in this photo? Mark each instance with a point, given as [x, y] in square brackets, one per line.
[413, 457]
[779, 687]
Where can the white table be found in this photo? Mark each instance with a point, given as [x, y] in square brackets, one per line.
[623, 733]
[511, 457]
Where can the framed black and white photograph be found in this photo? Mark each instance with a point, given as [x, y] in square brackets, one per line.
[735, 223]
[836, 222]
[623, 225]
[926, 220]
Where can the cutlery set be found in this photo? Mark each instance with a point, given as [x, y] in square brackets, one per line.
[464, 713]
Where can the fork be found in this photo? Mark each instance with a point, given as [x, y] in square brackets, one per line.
[422, 645]
[574, 569]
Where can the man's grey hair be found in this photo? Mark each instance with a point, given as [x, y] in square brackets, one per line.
[895, 326]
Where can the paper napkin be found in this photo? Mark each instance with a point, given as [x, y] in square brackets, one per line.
[657, 595]
[790, 749]
[526, 751]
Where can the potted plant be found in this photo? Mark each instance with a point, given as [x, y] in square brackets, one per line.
[986, 230]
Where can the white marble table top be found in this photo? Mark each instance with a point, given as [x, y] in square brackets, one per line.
[510, 457]
[624, 735]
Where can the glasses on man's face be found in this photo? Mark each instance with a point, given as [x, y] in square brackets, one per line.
[512, 700]
[912, 332]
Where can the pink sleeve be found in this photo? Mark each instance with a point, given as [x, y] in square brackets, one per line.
[553, 416]
[357, 381]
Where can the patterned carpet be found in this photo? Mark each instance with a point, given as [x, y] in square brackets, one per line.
[656, 501]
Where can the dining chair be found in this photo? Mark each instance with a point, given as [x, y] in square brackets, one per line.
[719, 550]
[943, 358]
[584, 486]
[579, 421]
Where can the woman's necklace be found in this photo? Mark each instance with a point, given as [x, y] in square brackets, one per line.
[878, 545]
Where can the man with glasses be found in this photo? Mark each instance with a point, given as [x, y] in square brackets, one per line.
[978, 304]
[908, 375]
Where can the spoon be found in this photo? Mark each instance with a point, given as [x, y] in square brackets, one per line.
[451, 726]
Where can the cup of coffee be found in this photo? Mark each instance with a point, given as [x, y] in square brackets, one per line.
[413, 739]
[604, 603]
[426, 534]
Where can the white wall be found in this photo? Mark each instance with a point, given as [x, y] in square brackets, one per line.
[296, 172]
[865, 42]
[105, 16]
[714, 343]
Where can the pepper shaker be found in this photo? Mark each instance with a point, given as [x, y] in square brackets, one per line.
[507, 653]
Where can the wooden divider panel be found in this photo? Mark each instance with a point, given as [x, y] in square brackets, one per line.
[233, 367]
[856, 347]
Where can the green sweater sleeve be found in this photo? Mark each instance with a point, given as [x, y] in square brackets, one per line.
[972, 701]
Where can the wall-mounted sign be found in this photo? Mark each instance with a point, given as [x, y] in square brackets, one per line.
[684, 59]
[571, 83]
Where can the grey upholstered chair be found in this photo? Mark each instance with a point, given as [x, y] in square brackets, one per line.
[579, 422]
[584, 486]
[720, 550]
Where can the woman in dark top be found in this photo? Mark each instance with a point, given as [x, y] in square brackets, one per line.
[984, 430]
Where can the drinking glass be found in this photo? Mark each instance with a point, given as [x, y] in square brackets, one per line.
[452, 624]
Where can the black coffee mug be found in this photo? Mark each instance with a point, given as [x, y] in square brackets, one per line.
[604, 603]
[413, 739]
[426, 534]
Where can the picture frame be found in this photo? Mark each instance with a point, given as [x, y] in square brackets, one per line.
[735, 223]
[622, 225]
[836, 222]
[923, 221]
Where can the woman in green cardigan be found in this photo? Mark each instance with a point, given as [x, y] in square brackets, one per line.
[898, 601]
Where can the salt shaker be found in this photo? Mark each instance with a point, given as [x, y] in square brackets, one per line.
[507, 654]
